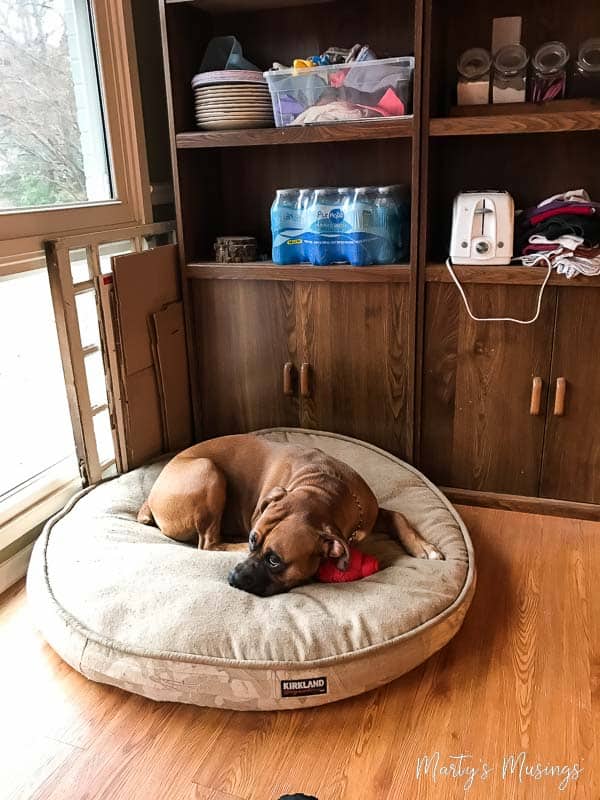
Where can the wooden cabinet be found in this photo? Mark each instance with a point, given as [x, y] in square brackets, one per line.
[571, 463]
[244, 332]
[478, 432]
[355, 338]
[349, 338]
[478, 429]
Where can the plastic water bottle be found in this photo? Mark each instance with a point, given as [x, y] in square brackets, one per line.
[361, 247]
[286, 227]
[394, 222]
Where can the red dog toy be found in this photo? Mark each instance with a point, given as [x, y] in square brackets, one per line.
[360, 565]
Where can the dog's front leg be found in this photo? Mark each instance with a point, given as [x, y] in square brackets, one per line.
[393, 523]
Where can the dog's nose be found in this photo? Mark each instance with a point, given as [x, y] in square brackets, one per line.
[253, 540]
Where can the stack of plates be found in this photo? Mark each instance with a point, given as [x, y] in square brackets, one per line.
[232, 99]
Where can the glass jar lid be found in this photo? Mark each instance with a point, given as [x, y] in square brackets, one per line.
[589, 56]
[474, 63]
[550, 58]
[511, 59]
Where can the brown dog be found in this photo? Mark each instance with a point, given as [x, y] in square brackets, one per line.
[293, 505]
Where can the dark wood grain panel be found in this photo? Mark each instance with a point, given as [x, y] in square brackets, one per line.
[522, 276]
[297, 134]
[547, 122]
[355, 338]
[438, 390]
[266, 270]
[571, 469]
[477, 429]
[283, 34]
[244, 334]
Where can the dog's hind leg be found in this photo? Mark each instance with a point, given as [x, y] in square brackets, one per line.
[145, 515]
[188, 500]
[397, 526]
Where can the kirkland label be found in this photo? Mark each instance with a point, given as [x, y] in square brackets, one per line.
[304, 687]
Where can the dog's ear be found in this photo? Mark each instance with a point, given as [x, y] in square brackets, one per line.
[276, 493]
[335, 546]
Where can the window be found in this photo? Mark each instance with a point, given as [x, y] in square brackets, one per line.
[72, 150]
[35, 424]
[53, 148]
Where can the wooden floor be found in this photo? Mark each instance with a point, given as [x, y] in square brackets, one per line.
[522, 676]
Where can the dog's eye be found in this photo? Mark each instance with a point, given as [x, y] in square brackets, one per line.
[273, 560]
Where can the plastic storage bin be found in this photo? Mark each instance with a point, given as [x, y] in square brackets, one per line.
[342, 92]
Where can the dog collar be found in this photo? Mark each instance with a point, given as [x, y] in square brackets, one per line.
[360, 517]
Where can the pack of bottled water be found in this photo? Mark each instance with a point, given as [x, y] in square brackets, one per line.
[346, 225]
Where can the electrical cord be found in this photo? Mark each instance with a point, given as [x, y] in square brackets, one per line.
[542, 257]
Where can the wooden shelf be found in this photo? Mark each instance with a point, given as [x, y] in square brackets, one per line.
[266, 270]
[298, 134]
[542, 121]
[524, 276]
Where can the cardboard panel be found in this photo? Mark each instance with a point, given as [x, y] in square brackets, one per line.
[143, 419]
[151, 350]
[172, 370]
[144, 283]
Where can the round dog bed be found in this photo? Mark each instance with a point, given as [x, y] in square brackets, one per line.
[125, 605]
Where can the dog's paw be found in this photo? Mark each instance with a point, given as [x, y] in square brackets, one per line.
[431, 552]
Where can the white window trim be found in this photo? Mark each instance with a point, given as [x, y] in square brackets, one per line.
[42, 497]
[23, 230]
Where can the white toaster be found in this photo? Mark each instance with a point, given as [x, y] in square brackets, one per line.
[482, 228]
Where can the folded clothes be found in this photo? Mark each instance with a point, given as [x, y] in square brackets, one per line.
[585, 227]
[582, 209]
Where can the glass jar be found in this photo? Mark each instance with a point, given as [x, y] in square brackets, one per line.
[585, 80]
[549, 79]
[510, 74]
[473, 87]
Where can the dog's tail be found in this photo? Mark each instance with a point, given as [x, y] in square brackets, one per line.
[145, 515]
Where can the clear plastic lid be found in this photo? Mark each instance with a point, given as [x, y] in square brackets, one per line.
[474, 63]
[589, 56]
[511, 59]
[550, 58]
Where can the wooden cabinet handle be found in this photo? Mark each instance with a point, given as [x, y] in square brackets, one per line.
[559, 397]
[536, 397]
[288, 379]
[305, 380]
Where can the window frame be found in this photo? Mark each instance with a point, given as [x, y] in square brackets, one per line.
[121, 102]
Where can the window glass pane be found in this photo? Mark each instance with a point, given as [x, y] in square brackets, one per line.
[94, 369]
[107, 251]
[157, 239]
[80, 270]
[104, 440]
[53, 148]
[35, 425]
[87, 316]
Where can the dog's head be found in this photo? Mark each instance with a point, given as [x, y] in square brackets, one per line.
[288, 540]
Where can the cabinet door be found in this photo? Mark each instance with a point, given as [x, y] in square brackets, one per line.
[354, 336]
[477, 429]
[244, 334]
[571, 468]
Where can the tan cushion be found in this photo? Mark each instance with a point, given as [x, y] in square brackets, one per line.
[134, 596]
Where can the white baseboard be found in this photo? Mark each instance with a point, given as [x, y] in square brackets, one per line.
[15, 567]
